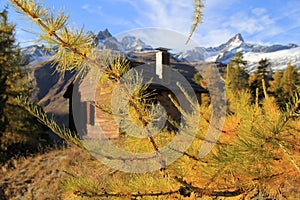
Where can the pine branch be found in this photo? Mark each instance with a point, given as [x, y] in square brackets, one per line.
[65, 133]
[188, 155]
[185, 190]
[72, 46]
[143, 118]
[103, 108]
[197, 17]
[264, 88]
[132, 195]
[132, 85]
[289, 156]
[292, 110]
[38, 20]
[188, 188]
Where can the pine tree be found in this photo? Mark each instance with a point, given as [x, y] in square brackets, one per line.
[263, 73]
[275, 88]
[284, 84]
[8, 60]
[236, 75]
[289, 81]
[275, 83]
[18, 127]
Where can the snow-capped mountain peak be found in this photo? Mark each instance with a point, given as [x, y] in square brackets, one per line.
[230, 48]
[279, 55]
[103, 35]
[132, 43]
[105, 40]
[235, 42]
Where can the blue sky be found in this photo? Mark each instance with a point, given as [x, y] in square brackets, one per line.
[259, 21]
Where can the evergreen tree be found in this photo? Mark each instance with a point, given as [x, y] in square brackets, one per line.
[17, 126]
[289, 81]
[263, 72]
[237, 76]
[275, 84]
[8, 59]
[284, 84]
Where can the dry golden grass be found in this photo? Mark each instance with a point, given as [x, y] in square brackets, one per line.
[39, 176]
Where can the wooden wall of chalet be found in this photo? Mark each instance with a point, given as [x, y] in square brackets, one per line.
[102, 119]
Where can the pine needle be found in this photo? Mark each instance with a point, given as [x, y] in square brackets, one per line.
[197, 17]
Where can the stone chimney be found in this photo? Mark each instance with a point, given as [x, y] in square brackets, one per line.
[162, 61]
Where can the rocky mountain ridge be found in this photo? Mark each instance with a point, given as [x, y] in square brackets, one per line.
[279, 55]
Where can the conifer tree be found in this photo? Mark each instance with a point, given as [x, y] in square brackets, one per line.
[236, 76]
[275, 83]
[284, 84]
[17, 126]
[263, 72]
[275, 88]
[8, 59]
[289, 81]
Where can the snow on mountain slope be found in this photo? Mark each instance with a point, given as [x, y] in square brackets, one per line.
[104, 40]
[35, 53]
[196, 54]
[131, 43]
[278, 55]
[279, 59]
[235, 42]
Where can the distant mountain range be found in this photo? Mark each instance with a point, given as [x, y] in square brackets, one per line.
[279, 55]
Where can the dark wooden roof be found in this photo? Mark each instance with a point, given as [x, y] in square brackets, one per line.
[187, 70]
[162, 49]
